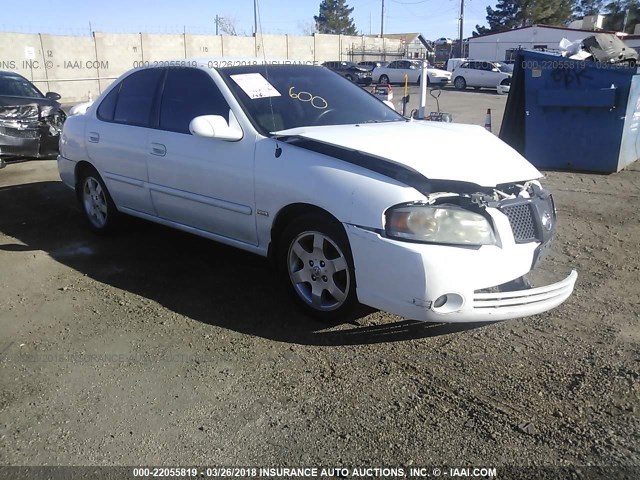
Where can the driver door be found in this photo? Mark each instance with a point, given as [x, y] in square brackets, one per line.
[204, 183]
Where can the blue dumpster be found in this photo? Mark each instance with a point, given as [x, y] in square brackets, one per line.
[572, 115]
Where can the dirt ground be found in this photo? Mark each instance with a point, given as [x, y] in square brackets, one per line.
[154, 347]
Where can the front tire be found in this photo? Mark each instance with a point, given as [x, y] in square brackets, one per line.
[460, 83]
[383, 79]
[96, 203]
[316, 262]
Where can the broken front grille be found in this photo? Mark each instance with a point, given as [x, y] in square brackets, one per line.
[522, 222]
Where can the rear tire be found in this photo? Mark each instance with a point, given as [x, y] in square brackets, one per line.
[315, 261]
[96, 202]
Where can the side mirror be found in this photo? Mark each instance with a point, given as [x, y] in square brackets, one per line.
[53, 95]
[215, 126]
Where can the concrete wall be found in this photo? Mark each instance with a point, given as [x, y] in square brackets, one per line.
[79, 68]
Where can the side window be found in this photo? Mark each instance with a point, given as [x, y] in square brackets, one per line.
[108, 105]
[136, 97]
[393, 65]
[189, 93]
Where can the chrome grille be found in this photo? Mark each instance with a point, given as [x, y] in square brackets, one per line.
[522, 222]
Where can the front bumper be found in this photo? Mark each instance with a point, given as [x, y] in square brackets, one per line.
[364, 80]
[410, 279]
[439, 80]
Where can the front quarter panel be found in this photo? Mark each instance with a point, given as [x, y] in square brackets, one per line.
[352, 194]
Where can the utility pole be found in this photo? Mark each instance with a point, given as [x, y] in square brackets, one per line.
[382, 21]
[255, 17]
[624, 22]
[461, 33]
[217, 23]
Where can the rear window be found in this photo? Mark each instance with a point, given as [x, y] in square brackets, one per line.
[108, 105]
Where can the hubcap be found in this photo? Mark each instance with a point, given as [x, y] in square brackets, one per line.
[318, 271]
[95, 202]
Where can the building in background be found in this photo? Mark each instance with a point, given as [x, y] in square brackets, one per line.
[502, 46]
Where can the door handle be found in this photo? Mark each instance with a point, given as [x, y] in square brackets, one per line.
[158, 149]
[94, 137]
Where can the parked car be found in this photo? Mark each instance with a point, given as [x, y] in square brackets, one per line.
[350, 71]
[294, 163]
[371, 64]
[443, 41]
[395, 73]
[30, 122]
[483, 74]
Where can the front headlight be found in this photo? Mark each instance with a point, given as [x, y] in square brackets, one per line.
[439, 224]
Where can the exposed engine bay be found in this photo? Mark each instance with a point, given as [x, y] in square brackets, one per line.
[528, 206]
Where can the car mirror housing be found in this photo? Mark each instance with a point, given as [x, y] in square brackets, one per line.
[215, 126]
[53, 95]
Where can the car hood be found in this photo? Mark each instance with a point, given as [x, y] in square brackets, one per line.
[439, 151]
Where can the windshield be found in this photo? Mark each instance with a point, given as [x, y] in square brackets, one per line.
[18, 87]
[302, 96]
[505, 67]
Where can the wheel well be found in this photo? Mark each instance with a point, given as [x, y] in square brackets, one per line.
[285, 216]
[81, 167]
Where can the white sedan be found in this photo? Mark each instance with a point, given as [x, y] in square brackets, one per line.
[482, 74]
[398, 70]
[300, 165]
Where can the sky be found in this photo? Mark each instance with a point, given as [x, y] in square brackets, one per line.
[432, 18]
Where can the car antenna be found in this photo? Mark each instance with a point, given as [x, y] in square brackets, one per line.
[266, 71]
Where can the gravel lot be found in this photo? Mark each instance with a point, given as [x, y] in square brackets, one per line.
[160, 348]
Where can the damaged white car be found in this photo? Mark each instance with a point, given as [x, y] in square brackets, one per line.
[301, 165]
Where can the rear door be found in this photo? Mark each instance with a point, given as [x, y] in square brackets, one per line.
[116, 138]
[486, 75]
[471, 74]
[204, 183]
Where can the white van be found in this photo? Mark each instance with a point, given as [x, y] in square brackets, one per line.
[452, 63]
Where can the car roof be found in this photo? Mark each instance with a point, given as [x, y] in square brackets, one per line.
[4, 73]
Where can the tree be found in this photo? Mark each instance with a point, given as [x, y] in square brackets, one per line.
[227, 26]
[620, 10]
[510, 14]
[335, 17]
[307, 27]
[585, 8]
